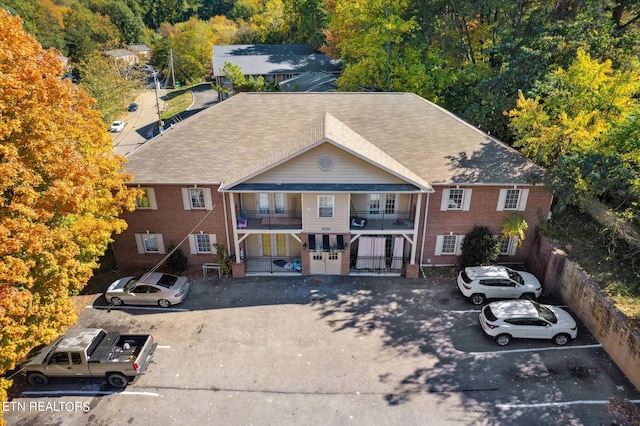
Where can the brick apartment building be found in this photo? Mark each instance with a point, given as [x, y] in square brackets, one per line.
[325, 183]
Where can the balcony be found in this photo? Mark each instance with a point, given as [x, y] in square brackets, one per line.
[261, 219]
[364, 220]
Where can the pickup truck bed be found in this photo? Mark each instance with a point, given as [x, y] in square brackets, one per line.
[117, 348]
[92, 353]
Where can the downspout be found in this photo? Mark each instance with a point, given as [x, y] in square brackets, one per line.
[424, 230]
[226, 218]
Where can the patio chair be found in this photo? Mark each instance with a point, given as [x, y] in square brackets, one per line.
[242, 220]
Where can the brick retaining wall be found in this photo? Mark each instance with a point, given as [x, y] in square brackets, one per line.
[610, 327]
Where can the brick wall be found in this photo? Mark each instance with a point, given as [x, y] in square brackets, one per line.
[482, 212]
[174, 223]
[610, 327]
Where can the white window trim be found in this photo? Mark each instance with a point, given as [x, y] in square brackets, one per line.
[333, 206]
[141, 246]
[466, 200]
[440, 243]
[193, 244]
[186, 199]
[522, 199]
[513, 245]
[153, 205]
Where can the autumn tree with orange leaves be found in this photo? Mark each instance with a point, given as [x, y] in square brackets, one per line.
[62, 190]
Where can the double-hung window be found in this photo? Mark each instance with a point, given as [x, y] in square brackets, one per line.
[146, 199]
[448, 245]
[513, 199]
[508, 246]
[150, 243]
[456, 199]
[197, 198]
[325, 205]
[202, 243]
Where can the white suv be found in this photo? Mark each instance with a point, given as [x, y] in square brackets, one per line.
[479, 283]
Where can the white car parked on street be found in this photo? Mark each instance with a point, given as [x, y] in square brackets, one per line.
[528, 320]
[117, 126]
[479, 283]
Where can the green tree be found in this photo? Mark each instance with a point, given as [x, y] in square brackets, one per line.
[514, 225]
[374, 40]
[245, 84]
[86, 32]
[111, 88]
[62, 189]
[572, 109]
[479, 248]
[305, 20]
[131, 26]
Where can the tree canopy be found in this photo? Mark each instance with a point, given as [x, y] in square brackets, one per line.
[62, 191]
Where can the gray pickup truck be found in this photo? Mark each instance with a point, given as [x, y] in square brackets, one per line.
[92, 352]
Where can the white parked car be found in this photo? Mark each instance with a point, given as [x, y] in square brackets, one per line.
[117, 126]
[527, 319]
[479, 283]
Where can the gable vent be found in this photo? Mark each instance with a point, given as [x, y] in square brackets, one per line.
[326, 162]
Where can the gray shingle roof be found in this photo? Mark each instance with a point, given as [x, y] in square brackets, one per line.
[266, 59]
[310, 82]
[398, 131]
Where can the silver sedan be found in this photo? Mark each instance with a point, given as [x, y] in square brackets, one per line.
[151, 289]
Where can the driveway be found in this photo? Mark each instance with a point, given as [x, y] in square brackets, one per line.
[347, 350]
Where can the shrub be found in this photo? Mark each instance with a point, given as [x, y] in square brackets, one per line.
[177, 261]
[479, 248]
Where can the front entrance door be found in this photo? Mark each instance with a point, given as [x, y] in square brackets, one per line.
[325, 263]
[274, 245]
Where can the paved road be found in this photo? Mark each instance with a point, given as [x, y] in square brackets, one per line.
[144, 124]
[348, 350]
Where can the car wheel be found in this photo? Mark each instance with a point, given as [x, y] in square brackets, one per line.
[38, 379]
[477, 299]
[116, 301]
[561, 339]
[117, 380]
[503, 339]
[164, 303]
[528, 296]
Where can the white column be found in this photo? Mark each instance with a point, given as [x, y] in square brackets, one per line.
[234, 224]
[416, 223]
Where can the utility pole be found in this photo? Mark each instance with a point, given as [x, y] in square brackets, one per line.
[173, 75]
[155, 86]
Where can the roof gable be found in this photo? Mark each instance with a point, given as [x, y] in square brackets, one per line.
[327, 129]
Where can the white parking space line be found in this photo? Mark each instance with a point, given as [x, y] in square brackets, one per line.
[163, 347]
[143, 308]
[469, 311]
[555, 404]
[88, 393]
[551, 348]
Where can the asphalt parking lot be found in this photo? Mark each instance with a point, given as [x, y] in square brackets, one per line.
[346, 350]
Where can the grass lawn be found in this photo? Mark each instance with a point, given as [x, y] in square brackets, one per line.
[178, 100]
[601, 257]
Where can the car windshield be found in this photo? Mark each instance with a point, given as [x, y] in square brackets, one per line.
[546, 313]
[515, 276]
[132, 282]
